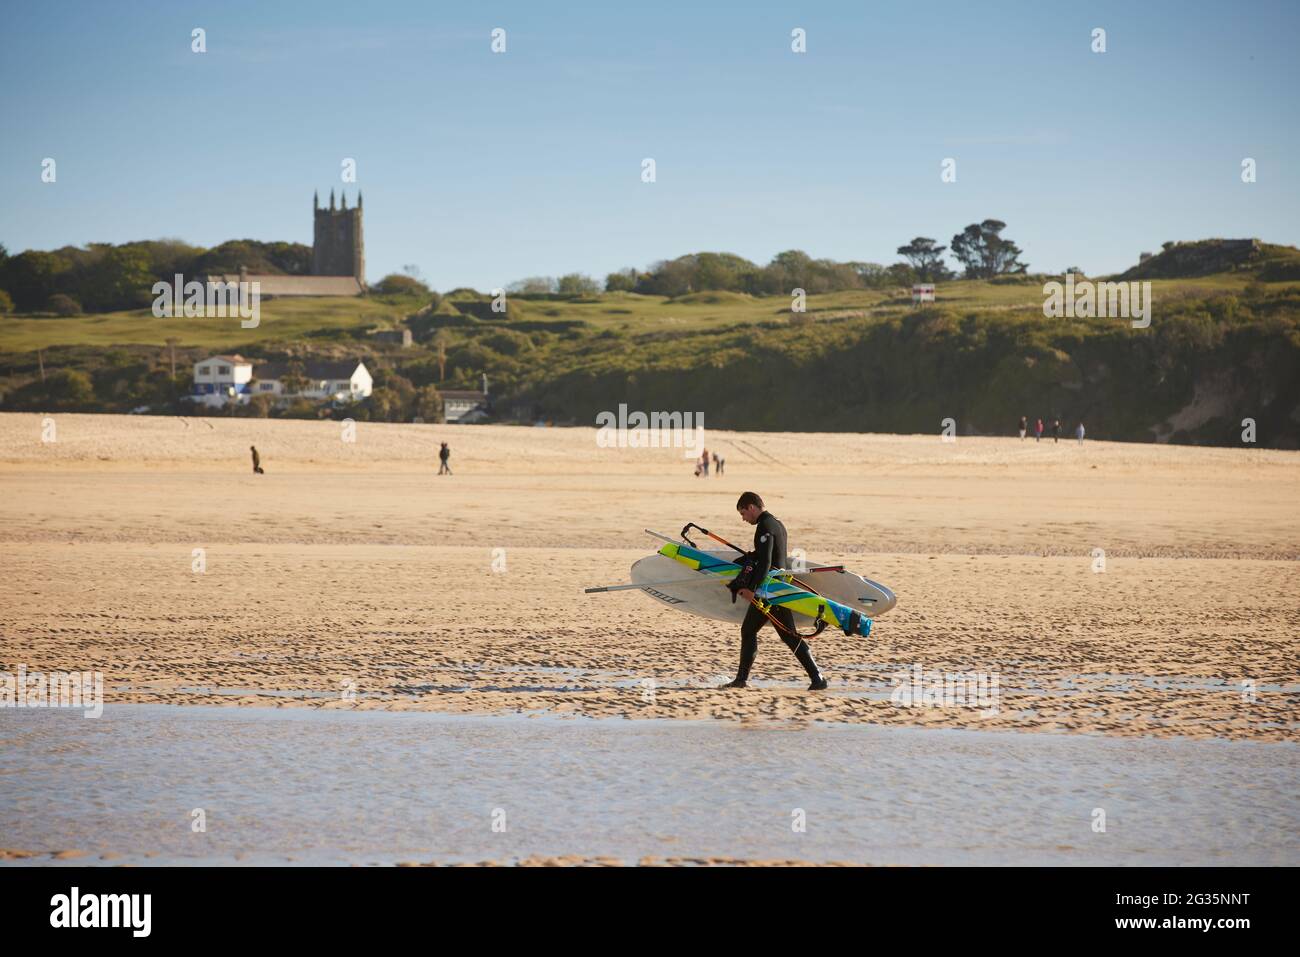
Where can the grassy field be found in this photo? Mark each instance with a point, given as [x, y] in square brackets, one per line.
[281, 319]
[290, 319]
[285, 320]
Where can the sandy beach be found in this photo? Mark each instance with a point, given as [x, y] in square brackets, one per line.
[352, 576]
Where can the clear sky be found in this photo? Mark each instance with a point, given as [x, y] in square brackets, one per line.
[484, 168]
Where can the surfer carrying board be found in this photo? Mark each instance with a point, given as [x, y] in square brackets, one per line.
[769, 552]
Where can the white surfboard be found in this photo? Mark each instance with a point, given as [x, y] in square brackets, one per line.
[708, 597]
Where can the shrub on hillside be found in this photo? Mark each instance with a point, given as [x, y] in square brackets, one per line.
[533, 286]
[1285, 270]
[576, 284]
[302, 409]
[507, 342]
[69, 390]
[62, 305]
[383, 405]
[623, 281]
[428, 404]
[395, 284]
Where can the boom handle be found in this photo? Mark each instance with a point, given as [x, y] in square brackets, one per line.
[705, 531]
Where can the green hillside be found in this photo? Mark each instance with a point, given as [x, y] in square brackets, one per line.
[1222, 346]
[283, 319]
[1224, 258]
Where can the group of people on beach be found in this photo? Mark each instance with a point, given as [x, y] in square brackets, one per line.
[1056, 430]
[702, 464]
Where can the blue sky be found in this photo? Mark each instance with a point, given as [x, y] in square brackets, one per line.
[482, 169]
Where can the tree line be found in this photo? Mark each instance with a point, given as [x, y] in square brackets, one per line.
[104, 277]
[980, 249]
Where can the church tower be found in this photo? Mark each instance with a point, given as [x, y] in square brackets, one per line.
[338, 246]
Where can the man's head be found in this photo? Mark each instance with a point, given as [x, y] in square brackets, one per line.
[750, 507]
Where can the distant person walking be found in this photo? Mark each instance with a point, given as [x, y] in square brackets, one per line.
[1056, 430]
[257, 460]
[1024, 426]
[718, 463]
[704, 463]
[1038, 431]
[444, 454]
[1078, 433]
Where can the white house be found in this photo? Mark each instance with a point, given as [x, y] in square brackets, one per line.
[216, 376]
[346, 381]
[466, 405]
[460, 405]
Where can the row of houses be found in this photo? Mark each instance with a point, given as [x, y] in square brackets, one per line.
[222, 379]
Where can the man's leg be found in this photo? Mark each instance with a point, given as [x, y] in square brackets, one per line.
[802, 650]
[754, 620]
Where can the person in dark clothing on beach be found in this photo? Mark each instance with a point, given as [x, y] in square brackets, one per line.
[769, 553]
[1038, 430]
[1024, 426]
[257, 460]
[1056, 430]
[444, 454]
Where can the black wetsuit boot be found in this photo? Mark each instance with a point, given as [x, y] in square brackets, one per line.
[754, 620]
[802, 650]
[804, 653]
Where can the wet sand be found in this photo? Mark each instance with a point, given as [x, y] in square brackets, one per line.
[350, 576]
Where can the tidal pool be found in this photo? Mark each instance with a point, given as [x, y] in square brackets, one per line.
[302, 785]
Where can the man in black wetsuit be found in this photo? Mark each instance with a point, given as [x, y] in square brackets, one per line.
[769, 552]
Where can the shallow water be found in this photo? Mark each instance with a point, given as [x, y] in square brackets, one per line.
[310, 786]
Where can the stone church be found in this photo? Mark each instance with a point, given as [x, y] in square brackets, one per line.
[338, 256]
[338, 247]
